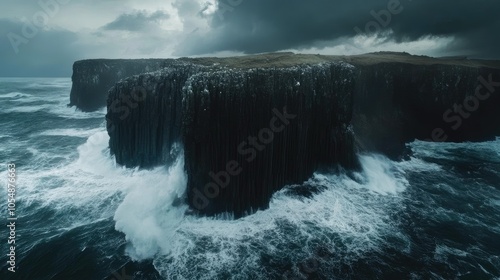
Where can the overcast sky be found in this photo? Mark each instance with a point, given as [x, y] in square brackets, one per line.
[45, 39]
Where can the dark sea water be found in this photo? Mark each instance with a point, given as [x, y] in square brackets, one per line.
[80, 216]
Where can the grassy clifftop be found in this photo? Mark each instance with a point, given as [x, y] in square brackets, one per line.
[286, 59]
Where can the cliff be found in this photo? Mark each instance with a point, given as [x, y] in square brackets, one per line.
[251, 125]
[92, 79]
[144, 117]
[243, 131]
[396, 103]
[249, 132]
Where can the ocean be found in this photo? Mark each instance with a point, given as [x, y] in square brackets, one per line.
[79, 215]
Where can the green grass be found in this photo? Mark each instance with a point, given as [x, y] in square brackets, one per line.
[290, 59]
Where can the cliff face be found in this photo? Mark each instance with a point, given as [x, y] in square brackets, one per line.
[93, 78]
[395, 103]
[145, 114]
[251, 125]
[249, 132]
[246, 132]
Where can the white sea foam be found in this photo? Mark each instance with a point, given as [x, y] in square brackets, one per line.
[15, 95]
[348, 216]
[443, 252]
[27, 100]
[49, 83]
[383, 175]
[72, 113]
[25, 109]
[72, 132]
[72, 174]
[489, 150]
[417, 164]
[83, 189]
[149, 206]
[60, 109]
[55, 95]
[495, 202]
[22, 97]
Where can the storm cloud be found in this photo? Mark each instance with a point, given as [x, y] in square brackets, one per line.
[173, 28]
[253, 26]
[47, 53]
[136, 21]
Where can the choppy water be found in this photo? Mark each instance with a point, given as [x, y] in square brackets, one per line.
[436, 216]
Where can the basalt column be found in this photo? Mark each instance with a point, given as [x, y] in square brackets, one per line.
[395, 103]
[248, 133]
[92, 79]
[144, 117]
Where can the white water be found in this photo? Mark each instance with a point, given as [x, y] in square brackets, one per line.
[15, 95]
[358, 214]
[85, 190]
[147, 216]
[70, 132]
[349, 218]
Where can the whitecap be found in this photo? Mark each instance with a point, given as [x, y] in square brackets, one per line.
[150, 206]
[347, 217]
[86, 186]
[25, 109]
[71, 132]
[15, 95]
[62, 110]
[379, 175]
[443, 252]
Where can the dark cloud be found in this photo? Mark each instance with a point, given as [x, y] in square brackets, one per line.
[253, 26]
[137, 21]
[42, 53]
[460, 27]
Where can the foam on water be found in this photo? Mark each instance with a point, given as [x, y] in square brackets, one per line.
[150, 206]
[72, 113]
[454, 151]
[379, 175]
[417, 164]
[352, 217]
[52, 83]
[495, 202]
[443, 252]
[67, 185]
[348, 217]
[25, 109]
[15, 95]
[53, 93]
[60, 109]
[84, 189]
[21, 97]
[70, 132]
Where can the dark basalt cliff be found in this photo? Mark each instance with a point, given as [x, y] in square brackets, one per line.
[395, 103]
[245, 132]
[144, 117]
[249, 132]
[93, 78]
[251, 125]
